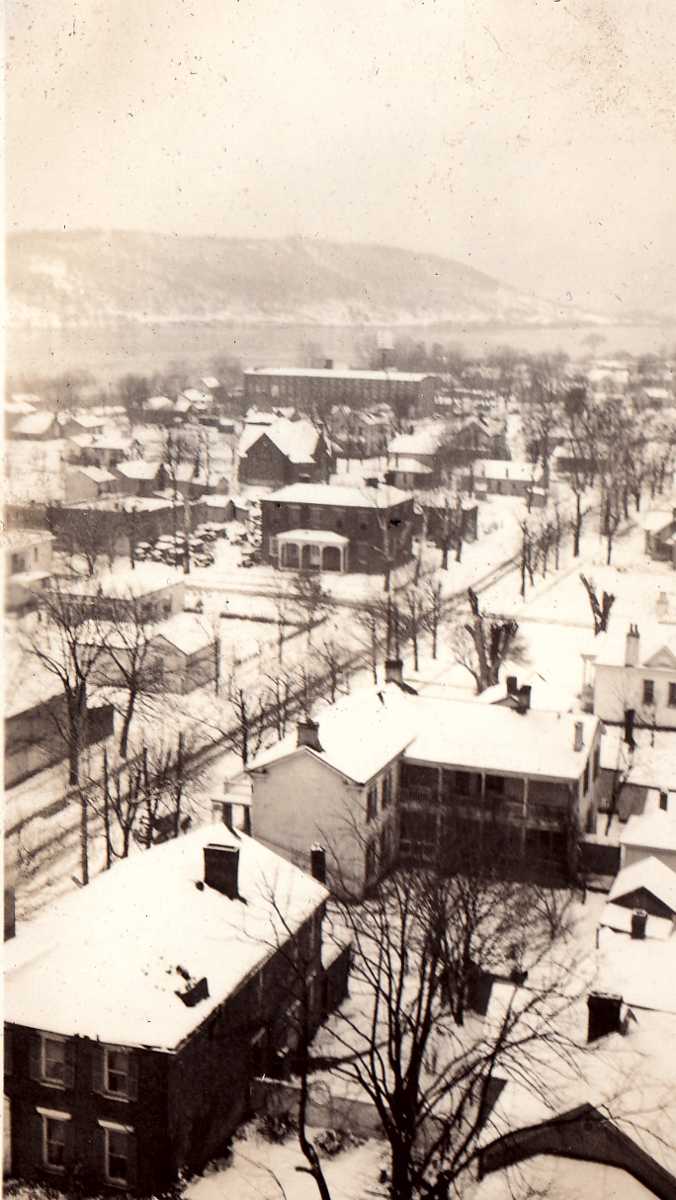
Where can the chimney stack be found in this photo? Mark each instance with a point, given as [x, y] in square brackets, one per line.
[605, 1015]
[631, 647]
[10, 913]
[308, 735]
[318, 863]
[221, 869]
[664, 801]
[578, 736]
[629, 720]
[523, 694]
[328, 364]
[639, 919]
[394, 671]
[512, 685]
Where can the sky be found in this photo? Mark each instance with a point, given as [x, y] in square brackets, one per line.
[533, 139]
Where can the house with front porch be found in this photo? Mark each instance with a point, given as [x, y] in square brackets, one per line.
[386, 776]
[330, 527]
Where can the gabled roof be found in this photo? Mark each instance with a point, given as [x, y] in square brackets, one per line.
[648, 873]
[653, 831]
[96, 474]
[103, 962]
[410, 466]
[185, 632]
[297, 440]
[426, 441]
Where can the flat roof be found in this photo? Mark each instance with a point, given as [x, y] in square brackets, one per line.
[326, 373]
[104, 962]
[324, 537]
[339, 496]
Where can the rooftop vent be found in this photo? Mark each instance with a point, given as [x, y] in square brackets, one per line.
[308, 735]
[605, 1015]
[221, 868]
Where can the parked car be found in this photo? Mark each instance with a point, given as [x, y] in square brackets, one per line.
[142, 551]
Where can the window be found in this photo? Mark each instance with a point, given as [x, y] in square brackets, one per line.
[117, 1152]
[17, 564]
[648, 691]
[294, 516]
[116, 1072]
[54, 1060]
[672, 695]
[339, 518]
[387, 789]
[54, 1125]
[586, 776]
[597, 762]
[371, 860]
[315, 517]
[495, 785]
[372, 803]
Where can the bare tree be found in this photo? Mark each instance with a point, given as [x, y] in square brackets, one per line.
[484, 642]
[600, 605]
[129, 662]
[425, 946]
[434, 610]
[307, 594]
[331, 658]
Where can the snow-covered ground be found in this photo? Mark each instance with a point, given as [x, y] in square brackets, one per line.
[263, 1170]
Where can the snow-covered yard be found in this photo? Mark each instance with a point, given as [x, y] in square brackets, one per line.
[263, 1170]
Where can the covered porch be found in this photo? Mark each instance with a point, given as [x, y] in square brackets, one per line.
[313, 550]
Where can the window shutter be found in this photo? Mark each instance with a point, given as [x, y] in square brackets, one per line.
[132, 1160]
[132, 1079]
[97, 1068]
[69, 1064]
[35, 1056]
[36, 1140]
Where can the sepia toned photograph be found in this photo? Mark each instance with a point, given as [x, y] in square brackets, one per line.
[339, 521]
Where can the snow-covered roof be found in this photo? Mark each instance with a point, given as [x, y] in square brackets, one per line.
[35, 424]
[656, 648]
[19, 408]
[146, 577]
[323, 537]
[649, 873]
[410, 466]
[96, 474]
[156, 403]
[359, 735]
[186, 632]
[295, 439]
[619, 918]
[215, 500]
[426, 441]
[641, 970]
[464, 734]
[652, 763]
[364, 731]
[654, 831]
[103, 963]
[195, 396]
[20, 539]
[657, 520]
[339, 496]
[138, 468]
[210, 381]
[85, 420]
[326, 373]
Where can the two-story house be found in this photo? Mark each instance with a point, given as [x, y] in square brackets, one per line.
[28, 565]
[139, 1010]
[386, 776]
[637, 672]
[334, 528]
[284, 452]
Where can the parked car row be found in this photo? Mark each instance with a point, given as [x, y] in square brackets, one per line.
[170, 548]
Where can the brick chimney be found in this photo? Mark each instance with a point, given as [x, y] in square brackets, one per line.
[308, 735]
[318, 863]
[523, 697]
[10, 913]
[664, 801]
[631, 647]
[512, 685]
[605, 1015]
[578, 736]
[629, 721]
[221, 869]
[639, 919]
[328, 364]
[394, 671]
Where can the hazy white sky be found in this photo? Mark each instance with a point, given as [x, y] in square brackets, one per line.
[535, 139]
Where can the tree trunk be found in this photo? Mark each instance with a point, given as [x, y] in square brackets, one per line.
[444, 556]
[126, 724]
[577, 528]
[106, 812]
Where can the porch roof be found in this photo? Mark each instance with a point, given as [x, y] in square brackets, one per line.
[314, 537]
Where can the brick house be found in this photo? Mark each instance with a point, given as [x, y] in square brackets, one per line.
[284, 452]
[408, 393]
[335, 528]
[139, 1011]
[387, 776]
